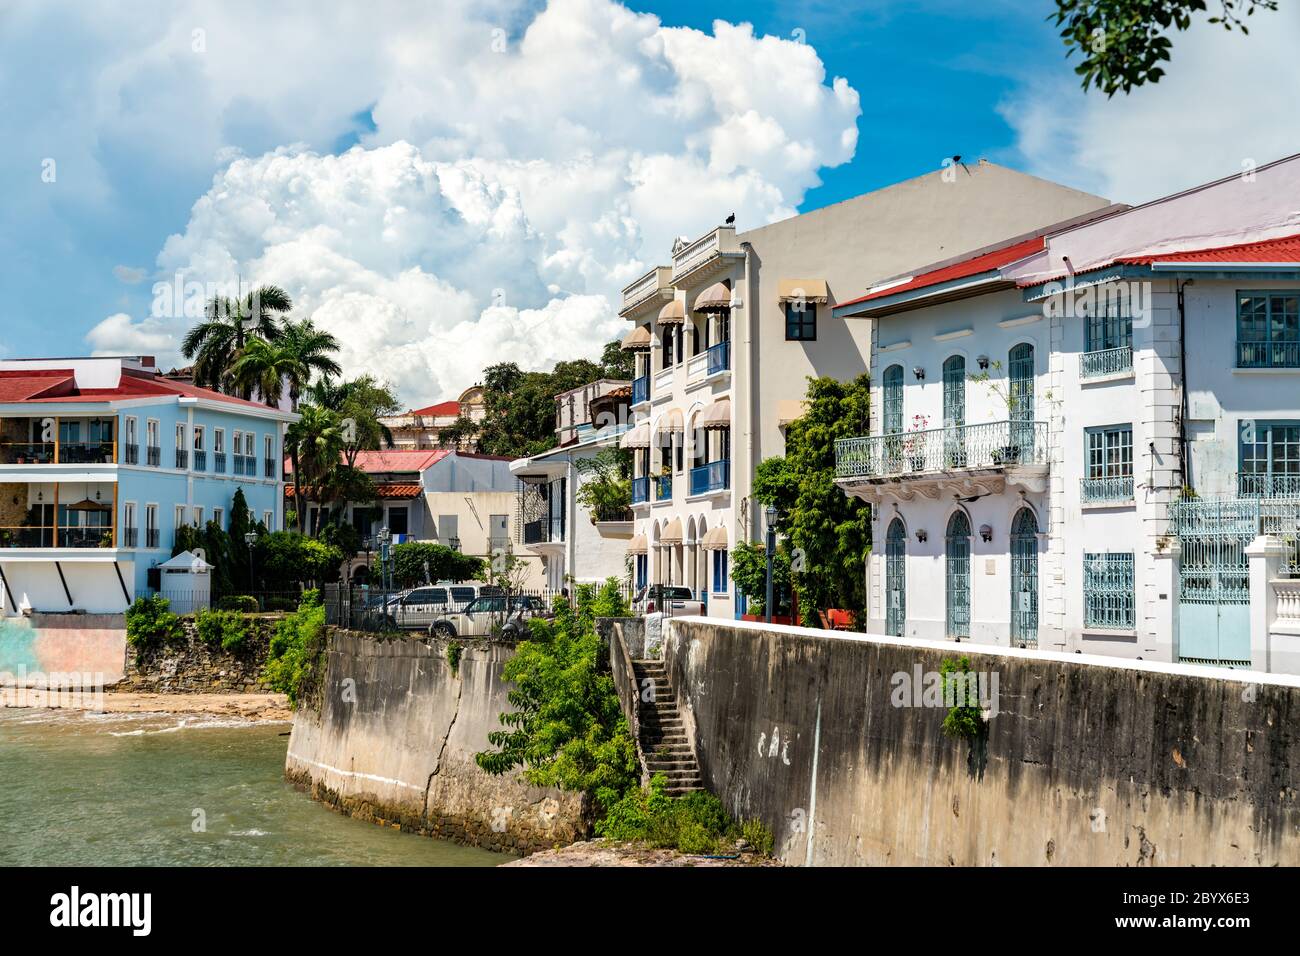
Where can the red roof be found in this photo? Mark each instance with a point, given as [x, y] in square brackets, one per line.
[382, 491]
[984, 262]
[60, 385]
[441, 410]
[1284, 249]
[400, 459]
[23, 386]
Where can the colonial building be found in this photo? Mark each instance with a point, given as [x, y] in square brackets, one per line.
[1088, 439]
[727, 335]
[102, 460]
[422, 428]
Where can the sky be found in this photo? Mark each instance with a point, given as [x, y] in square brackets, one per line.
[447, 185]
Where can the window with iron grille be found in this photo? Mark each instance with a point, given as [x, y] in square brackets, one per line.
[893, 400]
[1108, 332]
[1109, 467]
[1108, 590]
[1268, 330]
[1268, 459]
[801, 321]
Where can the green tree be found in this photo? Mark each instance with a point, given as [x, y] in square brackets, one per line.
[445, 564]
[616, 363]
[263, 367]
[216, 343]
[285, 559]
[310, 352]
[314, 444]
[1123, 42]
[606, 491]
[830, 531]
[520, 406]
[749, 572]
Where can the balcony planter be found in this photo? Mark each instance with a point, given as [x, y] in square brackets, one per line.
[614, 529]
[1006, 455]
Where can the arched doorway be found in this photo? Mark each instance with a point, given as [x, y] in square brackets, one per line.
[1024, 579]
[895, 578]
[957, 552]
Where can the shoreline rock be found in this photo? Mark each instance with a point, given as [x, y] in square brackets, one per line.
[600, 852]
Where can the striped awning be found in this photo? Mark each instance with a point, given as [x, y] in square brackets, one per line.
[810, 290]
[716, 298]
[673, 533]
[638, 340]
[637, 545]
[674, 313]
[670, 421]
[717, 415]
[638, 437]
[715, 539]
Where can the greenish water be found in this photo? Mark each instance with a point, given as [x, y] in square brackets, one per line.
[91, 790]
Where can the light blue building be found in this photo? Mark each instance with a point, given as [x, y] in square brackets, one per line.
[102, 460]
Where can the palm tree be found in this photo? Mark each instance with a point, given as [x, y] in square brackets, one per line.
[265, 367]
[314, 444]
[312, 352]
[215, 343]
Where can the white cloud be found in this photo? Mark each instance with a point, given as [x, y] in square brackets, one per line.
[1225, 100]
[119, 334]
[504, 196]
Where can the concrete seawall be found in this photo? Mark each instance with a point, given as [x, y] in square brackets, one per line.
[1086, 762]
[393, 739]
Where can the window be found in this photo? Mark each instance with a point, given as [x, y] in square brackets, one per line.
[1108, 590]
[180, 516]
[1268, 330]
[800, 321]
[1268, 459]
[151, 526]
[893, 400]
[198, 438]
[397, 520]
[270, 456]
[153, 451]
[268, 519]
[250, 445]
[130, 531]
[237, 439]
[198, 516]
[720, 572]
[1109, 466]
[672, 336]
[218, 440]
[1108, 345]
[180, 436]
[219, 516]
[130, 430]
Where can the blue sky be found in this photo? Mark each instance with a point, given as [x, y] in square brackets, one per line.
[497, 196]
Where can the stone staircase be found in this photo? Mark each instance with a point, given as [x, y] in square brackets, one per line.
[663, 736]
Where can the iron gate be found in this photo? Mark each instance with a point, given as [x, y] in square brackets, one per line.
[957, 550]
[895, 578]
[1024, 579]
[1214, 579]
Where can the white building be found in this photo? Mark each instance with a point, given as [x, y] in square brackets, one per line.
[728, 334]
[1042, 507]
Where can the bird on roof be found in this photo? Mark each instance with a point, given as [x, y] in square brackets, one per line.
[731, 220]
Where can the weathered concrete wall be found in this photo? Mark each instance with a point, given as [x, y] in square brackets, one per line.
[1088, 761]
[393, 739]
[93, 645]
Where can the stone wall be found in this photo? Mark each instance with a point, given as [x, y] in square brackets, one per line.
[1085, 760]
[191, 666]
[392, 739]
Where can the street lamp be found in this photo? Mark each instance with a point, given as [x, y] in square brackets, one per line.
[427, 579]
[770, 514]
[250, 539]
[385, 538]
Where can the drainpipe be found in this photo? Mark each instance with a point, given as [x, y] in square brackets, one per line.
[1182, 373]
[746, 400]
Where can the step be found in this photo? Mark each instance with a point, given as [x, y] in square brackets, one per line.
[670, 766]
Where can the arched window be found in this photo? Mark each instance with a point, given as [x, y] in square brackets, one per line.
[893, 400]
[895, 578]
[957, 562]
[1024, 579]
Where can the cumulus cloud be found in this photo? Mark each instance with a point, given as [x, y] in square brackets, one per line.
[1226, 101]
[515, 168]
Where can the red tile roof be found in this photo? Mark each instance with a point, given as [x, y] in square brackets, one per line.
[383, 491]
[441, 410]
[23, 386]
[59, 385]
[984, 262]
[400, 459]
[1283, 249]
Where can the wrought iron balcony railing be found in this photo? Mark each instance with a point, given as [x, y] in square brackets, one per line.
[934, 450]
[640, 389]
[101, 536]
[268, 467]
[664, 488]
[130, 537]
[1106, 362]
[537, 532]
[182, 458]
[714, 476]
[153, 455]
[1099, 490]
[640, 490]
[1268, 486]
[719, 358]
[132, 454]
[219, 462]
[1268, 355]
[27, 453]
[200, 460]
[151, 538]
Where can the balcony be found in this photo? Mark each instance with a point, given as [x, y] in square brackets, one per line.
[641, 490]
[182, 458]
[694, 261]
[664, 488]
[640, 389]
[200, 460]
[151, 537]
[714, 476]
[58, 453]
[1093, 491]
[153, 456]
[219, 462]
[47, 536]
[1268, 486]
[268, 467]
[655, 285]
[1268, 355]
[130, 537]
[539, 531]
[719, 358]
[131, 454]
[1106, 362]
[966, 459]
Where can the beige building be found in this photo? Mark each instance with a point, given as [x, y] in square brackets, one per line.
[727, 334]
[421, 428]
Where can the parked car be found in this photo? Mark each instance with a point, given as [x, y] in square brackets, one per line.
[668, 599]
[484, 612]
[417, 608]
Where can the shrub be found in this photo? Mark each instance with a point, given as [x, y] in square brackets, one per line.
[694, 823]
[410, 557]
[295, 662]
[228, 630]
[150, 622]
[965, 718]
[239, 602]
[454, 650]
[286, 558]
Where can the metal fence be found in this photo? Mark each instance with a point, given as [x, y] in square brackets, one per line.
[985, 445]
[1204, 518]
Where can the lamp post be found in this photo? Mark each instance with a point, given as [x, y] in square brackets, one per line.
[385, 539]
[770, 514]
[250, 539]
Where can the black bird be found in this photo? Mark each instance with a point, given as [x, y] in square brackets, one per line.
[730, 220]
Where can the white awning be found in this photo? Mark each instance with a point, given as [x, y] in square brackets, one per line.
[638, 437]
[715, 539]
[670, 421]
[674, 313]
[673, 533]
[717, 415]
[638, 340]
[810, 290]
